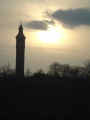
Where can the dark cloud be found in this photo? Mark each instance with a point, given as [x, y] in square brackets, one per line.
[50, 22]
[72, 17]
[37, 25]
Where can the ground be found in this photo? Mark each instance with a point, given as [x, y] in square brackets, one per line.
[46, 100]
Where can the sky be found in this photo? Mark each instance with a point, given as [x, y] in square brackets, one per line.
[55, 30]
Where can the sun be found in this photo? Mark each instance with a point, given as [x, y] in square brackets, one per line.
[51, 36]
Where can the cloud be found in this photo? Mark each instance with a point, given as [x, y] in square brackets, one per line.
[50, 22]
[39, 25]
[72, 17]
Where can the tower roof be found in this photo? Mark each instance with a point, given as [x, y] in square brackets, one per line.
[20, 33]
[20, 27]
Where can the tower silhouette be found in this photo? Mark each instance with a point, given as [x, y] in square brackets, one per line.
[20, 50]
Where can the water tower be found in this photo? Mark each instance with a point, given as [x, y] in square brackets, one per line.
[20, 52]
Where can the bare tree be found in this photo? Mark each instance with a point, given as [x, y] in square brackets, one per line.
[54, 68]
[28, 73]
[87, 67]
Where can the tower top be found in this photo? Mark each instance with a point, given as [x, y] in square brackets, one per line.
[20, 28]
[20, 33]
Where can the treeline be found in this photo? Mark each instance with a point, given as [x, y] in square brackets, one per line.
[56, 71]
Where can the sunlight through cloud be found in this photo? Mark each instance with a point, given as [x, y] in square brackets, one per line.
[52, 36]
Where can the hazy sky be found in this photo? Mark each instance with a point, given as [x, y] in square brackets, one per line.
[67, 40]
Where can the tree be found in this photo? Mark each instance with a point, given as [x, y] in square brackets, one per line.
[54, 69]
[39, 74]
[28, 73]
[66, 70]
[63, 70]
[87, 67]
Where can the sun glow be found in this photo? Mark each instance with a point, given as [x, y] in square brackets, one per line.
[52, 36]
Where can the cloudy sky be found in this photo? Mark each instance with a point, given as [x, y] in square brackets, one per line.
[55, 30]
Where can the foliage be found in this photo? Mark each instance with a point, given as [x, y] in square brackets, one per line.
[56, 71]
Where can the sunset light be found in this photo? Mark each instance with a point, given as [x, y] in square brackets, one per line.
[44, 59]
[52, 36]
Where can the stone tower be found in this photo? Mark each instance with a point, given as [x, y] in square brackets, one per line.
[20, 50]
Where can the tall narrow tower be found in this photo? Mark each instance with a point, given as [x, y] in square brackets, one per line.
[20, 50]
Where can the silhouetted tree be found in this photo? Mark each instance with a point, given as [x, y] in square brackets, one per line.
[28, 73]
[62, 70]
[74, 71]
[5, 70]
[54, 69]
[66, 70]
[7, 73]
[39, 74]
[87, 68]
